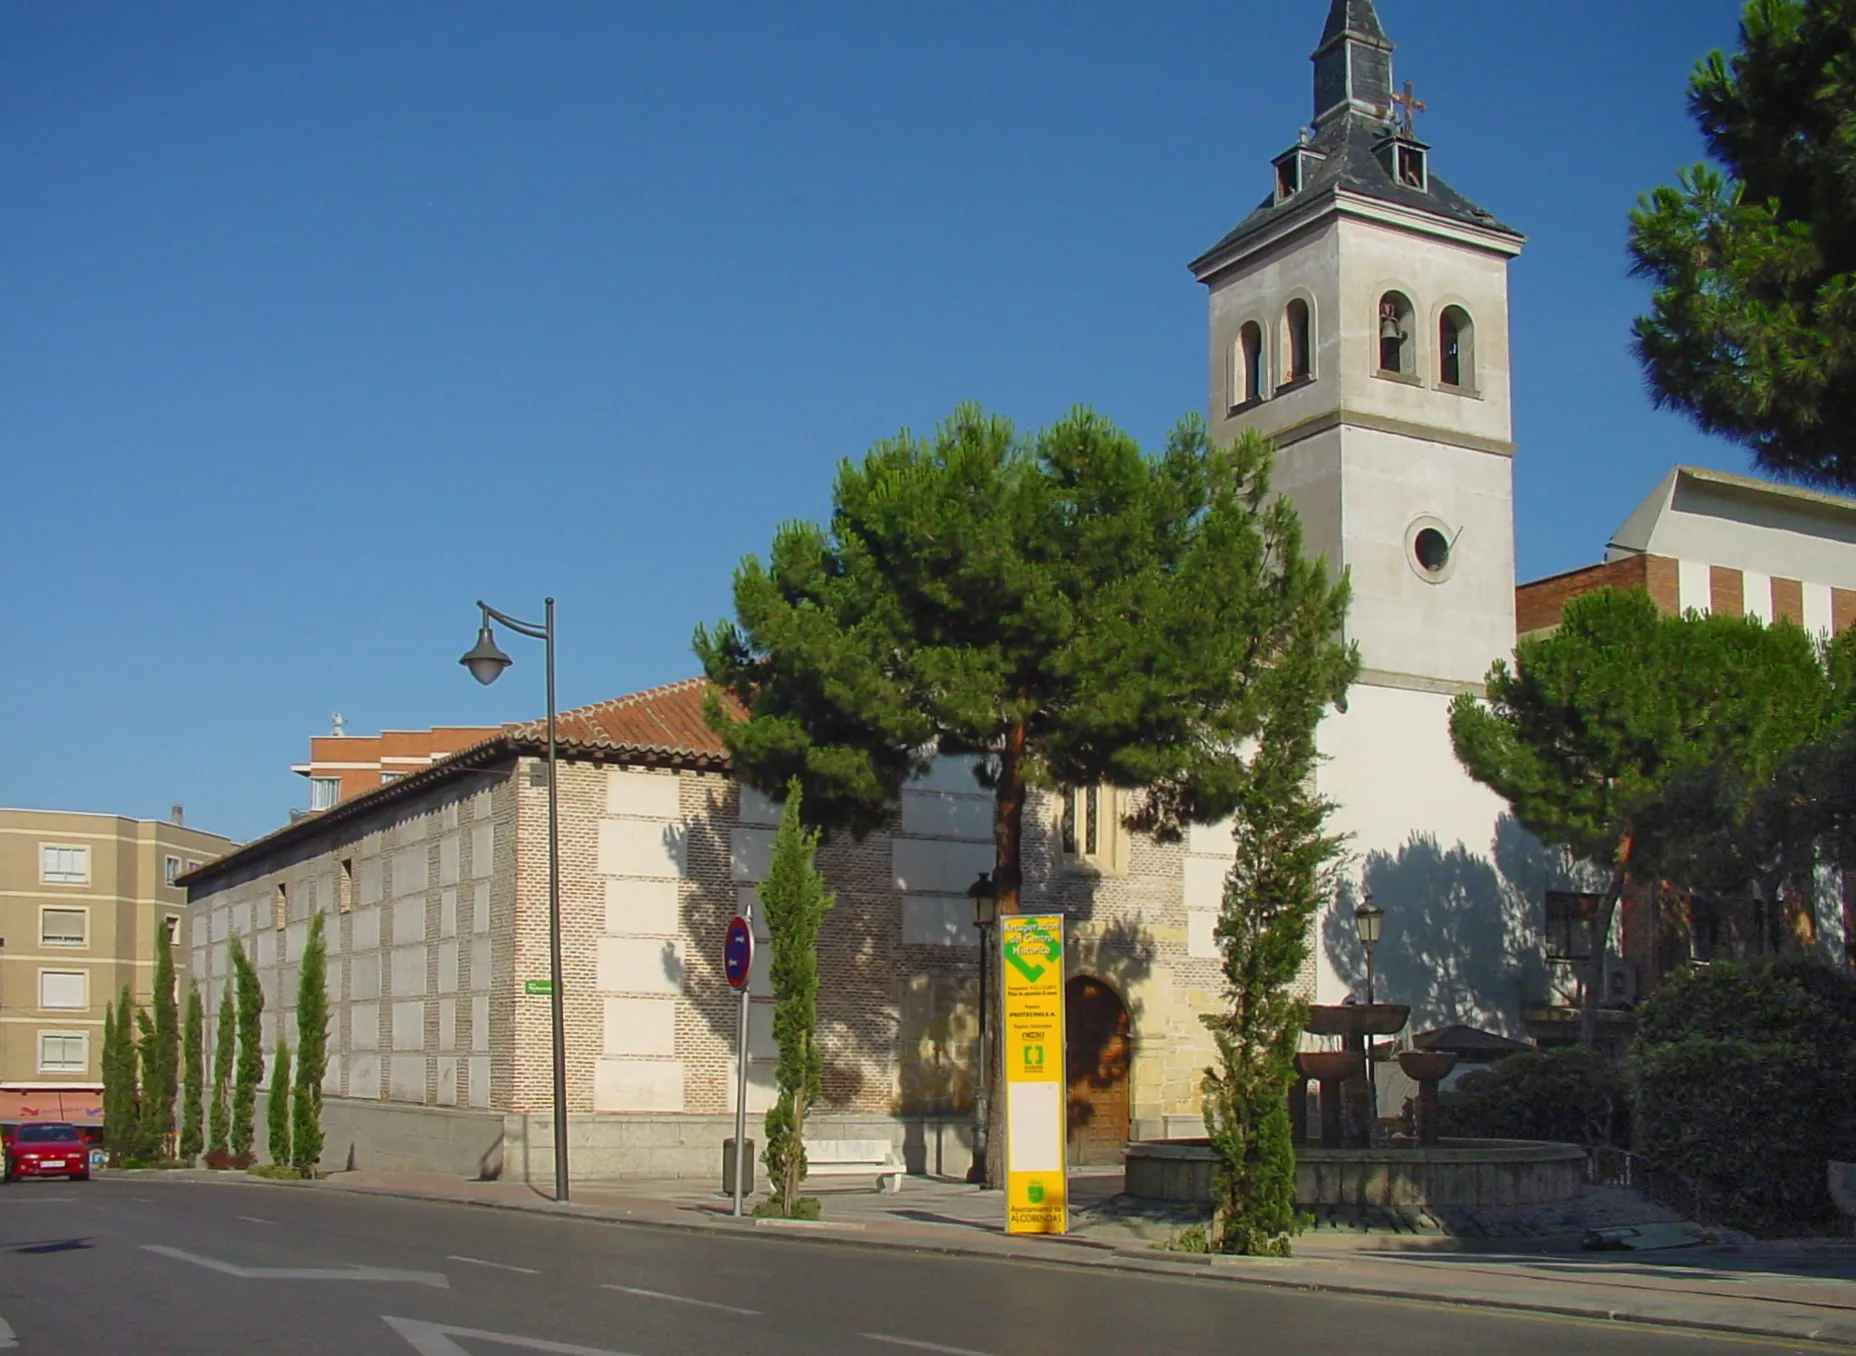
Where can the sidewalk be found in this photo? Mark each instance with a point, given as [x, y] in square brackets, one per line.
[1804, 1290]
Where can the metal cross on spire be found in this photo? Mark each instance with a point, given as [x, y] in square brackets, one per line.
[1405, 110]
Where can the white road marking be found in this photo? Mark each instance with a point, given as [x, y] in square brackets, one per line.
[500, 1266]
[434, 1339]
[8, 1342]
[435, 1279]
[680, 1299]
[253, 1219]
[920, 1346]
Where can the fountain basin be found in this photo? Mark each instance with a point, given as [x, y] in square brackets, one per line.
[1357, 1019]
[1455, 1172]
[1426, 1066]
[1323, 1065]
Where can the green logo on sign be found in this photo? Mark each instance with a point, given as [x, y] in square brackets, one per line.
[1034, 1192]
[543, 987]
[1034, 1056]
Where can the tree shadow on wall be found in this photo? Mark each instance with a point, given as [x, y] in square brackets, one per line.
[1464, 934]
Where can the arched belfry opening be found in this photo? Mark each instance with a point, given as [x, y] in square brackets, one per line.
[1297, 342]
[1397, 349]
[1456, 349]
[1098, 1053]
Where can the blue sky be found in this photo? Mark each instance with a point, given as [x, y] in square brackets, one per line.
[318, 322]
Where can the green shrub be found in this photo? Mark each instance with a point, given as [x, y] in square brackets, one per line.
[1793, 1000]
[1745, 1083]
[278, 1171]
[1574, 1096]
[771, 1207]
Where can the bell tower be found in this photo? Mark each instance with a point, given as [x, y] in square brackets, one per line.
[1359, 318]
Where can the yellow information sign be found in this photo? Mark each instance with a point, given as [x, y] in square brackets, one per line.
[1031, 961]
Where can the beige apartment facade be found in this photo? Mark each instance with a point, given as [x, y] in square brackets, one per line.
[83, 901]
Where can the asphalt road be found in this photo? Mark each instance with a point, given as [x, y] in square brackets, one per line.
[147, 1266]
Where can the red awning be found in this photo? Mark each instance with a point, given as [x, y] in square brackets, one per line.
[78, 1106]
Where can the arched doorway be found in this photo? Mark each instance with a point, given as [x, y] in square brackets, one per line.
[1098, 1049]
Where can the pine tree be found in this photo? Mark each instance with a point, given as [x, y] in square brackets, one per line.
[1071, 610]
[277, 1106]
[1284, 869]
[312, 1025]
[161, 1058]
[193, 1062]
[225, 1042]
[249, 1069]
[1752, 330]
[1596, 721]
[794, 900]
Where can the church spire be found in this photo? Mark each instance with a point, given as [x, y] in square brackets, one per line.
[1353, 64]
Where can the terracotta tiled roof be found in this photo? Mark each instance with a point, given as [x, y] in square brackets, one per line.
[664, 719]
[661, 726]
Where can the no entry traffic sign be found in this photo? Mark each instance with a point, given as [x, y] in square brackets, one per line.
[738, 952]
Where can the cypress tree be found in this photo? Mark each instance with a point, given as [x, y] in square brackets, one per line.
[193, 1059]
[126, 1114]
[250, 1066]
[225, 1041]
[148, 1143]
[795, 900]
[112, 1081]
[277, 1106]
[1283, 870]
[312, 1042]
[161, 1058]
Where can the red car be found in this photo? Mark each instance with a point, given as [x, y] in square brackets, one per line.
[47, 1149]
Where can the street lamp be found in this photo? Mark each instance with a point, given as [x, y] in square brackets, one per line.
[486, 663]
[985, 897]
[1369, 921]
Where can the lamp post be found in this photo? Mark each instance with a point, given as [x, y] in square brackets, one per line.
[486, 663]
[985, 897]
[1369, 921]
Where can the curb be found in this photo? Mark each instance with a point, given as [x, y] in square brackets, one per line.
[1136, 1260]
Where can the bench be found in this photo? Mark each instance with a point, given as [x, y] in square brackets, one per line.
[855, 1158]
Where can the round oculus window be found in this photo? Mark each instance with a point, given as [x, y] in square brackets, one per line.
[1432, 549]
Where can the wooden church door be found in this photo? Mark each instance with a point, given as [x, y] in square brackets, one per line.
[1096, 1057]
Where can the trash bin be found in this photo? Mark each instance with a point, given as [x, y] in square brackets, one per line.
[728, 1168]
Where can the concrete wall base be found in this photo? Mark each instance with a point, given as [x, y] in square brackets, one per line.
[387, 1136]
[1485, 1173]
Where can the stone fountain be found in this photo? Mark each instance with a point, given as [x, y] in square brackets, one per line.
[1342, 1166]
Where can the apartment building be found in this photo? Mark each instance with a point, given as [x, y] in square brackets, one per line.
[344, 765]
[83, 900]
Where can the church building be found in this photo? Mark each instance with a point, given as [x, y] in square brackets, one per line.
[1358, 317]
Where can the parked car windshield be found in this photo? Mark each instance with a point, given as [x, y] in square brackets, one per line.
[46, 1134]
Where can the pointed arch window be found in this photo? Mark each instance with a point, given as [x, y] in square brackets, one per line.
[1247, 377]
[1396, 356]
[1297, 342]
[1456, 349]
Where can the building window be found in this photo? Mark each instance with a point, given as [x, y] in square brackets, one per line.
[386, 777]
[1090, 831]
[1297, 345]
[1456, 349]
[170, 929]
[1570, 919]
[324, 792]
[344, 886]
[192, 865]
[1247, 379]
[64, 927]
[170, 868]
[1413, 169]
[62, 1053]
[64, 989]
[1395, 346]
[64, 865]
[280, 907]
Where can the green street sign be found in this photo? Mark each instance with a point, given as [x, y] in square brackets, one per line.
[542, 987]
